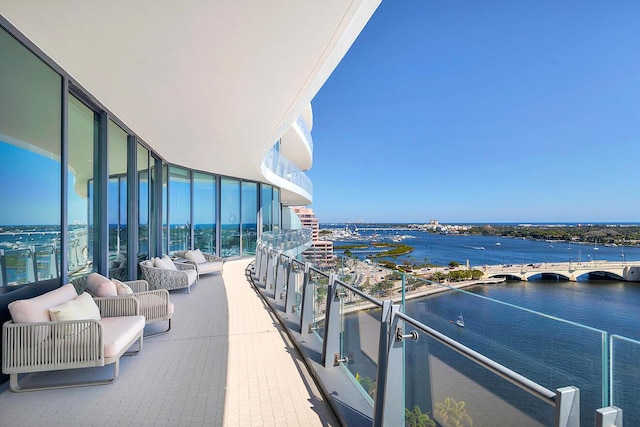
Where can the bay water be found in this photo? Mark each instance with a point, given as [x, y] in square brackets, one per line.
[554, 332]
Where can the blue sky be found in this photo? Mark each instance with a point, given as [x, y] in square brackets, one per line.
[492, 111]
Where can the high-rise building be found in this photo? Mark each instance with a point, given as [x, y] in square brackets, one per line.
[321, 251]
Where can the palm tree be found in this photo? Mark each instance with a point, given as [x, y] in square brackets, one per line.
[453, 413]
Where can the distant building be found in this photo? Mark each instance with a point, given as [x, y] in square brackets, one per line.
[321, 251]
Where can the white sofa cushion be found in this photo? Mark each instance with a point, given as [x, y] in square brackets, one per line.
[82, 307]
[199, 257]
[101, 286]
[122, 288]
[165, 262]
[36, 309]
[117, 332]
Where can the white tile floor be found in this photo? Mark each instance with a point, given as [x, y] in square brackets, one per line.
[225, 362]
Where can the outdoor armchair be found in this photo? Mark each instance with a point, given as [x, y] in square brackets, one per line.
[205, 263]
[162, 273]
[154, 304]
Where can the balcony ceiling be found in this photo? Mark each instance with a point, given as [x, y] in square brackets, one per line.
[209, 85]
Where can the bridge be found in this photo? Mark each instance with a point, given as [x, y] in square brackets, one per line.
[626, 271]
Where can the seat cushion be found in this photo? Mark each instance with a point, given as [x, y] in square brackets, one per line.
[101, 286]
[36, 309]
[117, 332]
[209, 267]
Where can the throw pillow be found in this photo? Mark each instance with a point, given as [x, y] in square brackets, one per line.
[190, 256]
[81, 308]
[123, 288]
[169, 262]
[199, 257]
[100, 286]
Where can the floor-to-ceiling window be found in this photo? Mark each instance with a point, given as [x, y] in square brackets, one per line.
[30, 149]
[117, 202]
[230, 217]
[204, 212]
[144, 201]
[165, 208]
[249, 217]
[179, 209]
[267, 207]
[83, 131]
[276, 209]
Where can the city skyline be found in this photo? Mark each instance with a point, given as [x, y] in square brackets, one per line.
[486, 112]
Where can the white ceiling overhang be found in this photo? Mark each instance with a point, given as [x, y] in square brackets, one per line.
[209, 85]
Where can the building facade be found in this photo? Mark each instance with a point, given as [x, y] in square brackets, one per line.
[321, 251]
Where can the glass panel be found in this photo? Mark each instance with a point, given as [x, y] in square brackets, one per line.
[249, 217]
[83, 128]
[142, 159]
[319, 283]
[179, 209]
[360, 337]
[267, 207]
[625, 377]
[230, 217]
[30, 135]
[165, 208]
[296, 280]
[204, 212]
[453, 390]
[276, 209]
[117, 202]
[552, 352]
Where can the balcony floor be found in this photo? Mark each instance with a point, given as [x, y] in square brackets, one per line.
[226, 361]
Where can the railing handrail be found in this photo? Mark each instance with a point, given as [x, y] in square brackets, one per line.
[513, 377]
[360, 293]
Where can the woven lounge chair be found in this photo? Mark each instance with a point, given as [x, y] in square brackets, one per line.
[166, 274]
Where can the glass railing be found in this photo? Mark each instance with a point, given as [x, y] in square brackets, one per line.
[467, 367]
[288, 241]
[286, 169]
[625, 377]
[305, 132]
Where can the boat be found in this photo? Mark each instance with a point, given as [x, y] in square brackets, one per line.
[460, 321]
[497, 243]
[595, 246]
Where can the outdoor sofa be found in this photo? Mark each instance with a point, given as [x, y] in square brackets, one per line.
[62, 330]
[163, 273]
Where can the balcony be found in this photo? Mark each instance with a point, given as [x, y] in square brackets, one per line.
[290, 242]
[223, 363]
[432, 366]
[296, 186]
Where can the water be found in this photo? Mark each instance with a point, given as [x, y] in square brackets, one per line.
[551, 352]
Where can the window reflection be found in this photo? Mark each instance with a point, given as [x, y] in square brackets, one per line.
[30, 141]
[204, 212]
[179, 209]
[230, 217]
[117, 202]
[249, 217]
[83, 124]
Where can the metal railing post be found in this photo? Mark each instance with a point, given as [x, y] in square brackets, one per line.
[306, 312]
[568, 407]
[611, 416]
[257, 263]
[381, 376]
[281, 277]
[331, 343]
[272, 263]
[292, 281]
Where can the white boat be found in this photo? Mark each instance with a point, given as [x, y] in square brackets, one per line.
[595, 247]
[460, 321]
[497, 243]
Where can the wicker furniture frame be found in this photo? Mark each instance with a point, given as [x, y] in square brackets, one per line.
[160, 278]
[58, 345]
[154, 304]
[210, 258]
